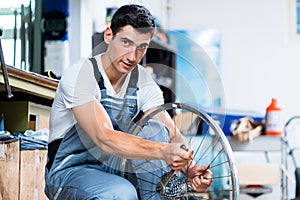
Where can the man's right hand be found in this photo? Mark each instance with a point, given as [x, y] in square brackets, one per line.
[177, 157]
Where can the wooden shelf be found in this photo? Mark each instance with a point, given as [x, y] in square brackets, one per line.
[262, 143]
[28, 86]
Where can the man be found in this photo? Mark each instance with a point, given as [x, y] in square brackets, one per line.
[95, 101]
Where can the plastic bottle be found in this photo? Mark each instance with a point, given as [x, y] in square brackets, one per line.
[274, 119]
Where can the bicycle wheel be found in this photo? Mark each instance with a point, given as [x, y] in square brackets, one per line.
[210, 147]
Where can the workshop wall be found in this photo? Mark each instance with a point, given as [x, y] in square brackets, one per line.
[259, 56]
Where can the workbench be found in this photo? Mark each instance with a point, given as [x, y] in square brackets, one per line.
[28, 86]
[22, 171]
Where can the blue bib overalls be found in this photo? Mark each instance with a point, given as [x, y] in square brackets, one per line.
[78, 169]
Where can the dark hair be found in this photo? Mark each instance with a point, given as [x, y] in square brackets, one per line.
[135, 15]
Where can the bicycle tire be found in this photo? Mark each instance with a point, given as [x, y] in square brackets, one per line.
[210, 146]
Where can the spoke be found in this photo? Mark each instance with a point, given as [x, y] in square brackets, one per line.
[140, 166]
[155, 166]
[197, 195]
[147, 181]
[220, 177]
[218, 164]
[149, 171]
[213, 160]
[197, 150]
[151, 196]
[200, 145]
[221, 190]
[207, 152]
[149, 192]
[208, 148]
[175, 125]
[193, 128]
[146, 190]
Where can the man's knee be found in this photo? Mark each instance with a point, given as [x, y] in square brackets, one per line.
[116, 192]
[124, 192]
[114, 187]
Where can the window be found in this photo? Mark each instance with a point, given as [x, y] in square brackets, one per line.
[15, 52]
[293, 20]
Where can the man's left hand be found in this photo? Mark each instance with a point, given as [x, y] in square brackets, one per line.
[199, 178]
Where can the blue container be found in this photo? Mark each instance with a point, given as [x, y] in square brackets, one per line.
[224, 119]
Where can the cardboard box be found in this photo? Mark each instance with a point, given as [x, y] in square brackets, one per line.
[21, 173]
[32, 169]
[259, 174]
[9, 171]
[262, 178]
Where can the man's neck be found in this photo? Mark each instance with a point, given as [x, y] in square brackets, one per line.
[116, 79]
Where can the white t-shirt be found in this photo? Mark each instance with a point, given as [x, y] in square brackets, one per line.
[79, 86]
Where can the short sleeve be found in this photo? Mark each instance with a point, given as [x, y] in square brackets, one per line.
[150, 95]
[78, 84]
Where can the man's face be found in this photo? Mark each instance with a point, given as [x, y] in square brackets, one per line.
[127, 48]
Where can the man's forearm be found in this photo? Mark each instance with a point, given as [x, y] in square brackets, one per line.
[94, 120]
[130, 146]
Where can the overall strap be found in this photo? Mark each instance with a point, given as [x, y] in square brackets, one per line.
[132, 85]
[97, 73]
[132, 82]
[134, 77]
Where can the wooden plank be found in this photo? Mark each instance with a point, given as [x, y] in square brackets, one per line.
[9, 171]
[30, 82]
[32, 170]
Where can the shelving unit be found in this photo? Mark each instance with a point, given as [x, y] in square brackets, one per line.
[266, 144]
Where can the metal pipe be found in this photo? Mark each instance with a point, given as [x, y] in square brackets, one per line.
[4, 70]
[15, 36]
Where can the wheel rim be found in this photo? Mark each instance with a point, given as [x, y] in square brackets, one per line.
[210, 146]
